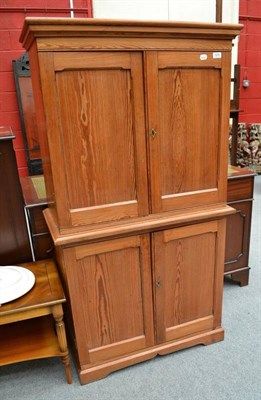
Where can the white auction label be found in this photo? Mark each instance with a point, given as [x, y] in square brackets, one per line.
[203, 57]
[217, 54]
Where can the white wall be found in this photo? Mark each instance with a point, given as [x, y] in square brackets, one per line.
[131, 9]
[179, 10]
[230, 15]
[175, 10]
[192, 10]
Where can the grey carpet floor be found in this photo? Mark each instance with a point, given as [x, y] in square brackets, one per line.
[226, 370]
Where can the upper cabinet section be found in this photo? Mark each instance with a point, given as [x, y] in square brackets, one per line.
[133, 116]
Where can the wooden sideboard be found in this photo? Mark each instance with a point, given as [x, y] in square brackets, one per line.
[136, 180]
[240, 197]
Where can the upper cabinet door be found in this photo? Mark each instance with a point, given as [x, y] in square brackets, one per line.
[94, 106]
[188, 118]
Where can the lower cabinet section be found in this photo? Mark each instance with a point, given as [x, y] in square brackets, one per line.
[138, 296]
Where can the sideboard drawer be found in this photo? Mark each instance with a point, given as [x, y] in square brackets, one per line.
[240, 189]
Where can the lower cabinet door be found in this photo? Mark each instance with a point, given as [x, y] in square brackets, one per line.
[188, 277]
[111, 297]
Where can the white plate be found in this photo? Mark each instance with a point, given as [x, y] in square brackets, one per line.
[14, 282]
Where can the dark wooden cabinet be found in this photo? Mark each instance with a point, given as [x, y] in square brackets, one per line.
[14, 243]
[240, 197]
[133, 120]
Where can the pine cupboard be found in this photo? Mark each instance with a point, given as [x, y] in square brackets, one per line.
[133, 120]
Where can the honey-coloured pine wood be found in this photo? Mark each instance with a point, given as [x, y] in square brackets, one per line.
[178, 85]
[101, 132]
[99, 191]
[113, 281]
[186, 267]
[134, 129]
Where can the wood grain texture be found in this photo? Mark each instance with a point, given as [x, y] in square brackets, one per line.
[98, 147]
[219, 271]
[106, 132]
[98, 371]
[184, 276]
[188, 328]
[112, 245]
[100, 281]
[27, 329]
[150, 223]
[186, 154]
[182, 128]
[134, 44]
[60, 28]
[192, 230]
[47, 290]
[41, 122]
[137, 118]
[22, 347]
[240, 189]
[224, 124]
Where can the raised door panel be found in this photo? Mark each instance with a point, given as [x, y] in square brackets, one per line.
[111, 297]
[95, 101]
[188, 275]
[188, 111]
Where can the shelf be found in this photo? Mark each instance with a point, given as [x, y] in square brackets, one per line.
[36, 339]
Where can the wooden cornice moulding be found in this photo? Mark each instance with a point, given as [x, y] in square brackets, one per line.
[135, 226]
[41, 27]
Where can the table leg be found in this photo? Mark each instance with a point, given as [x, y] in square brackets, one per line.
[61, 335]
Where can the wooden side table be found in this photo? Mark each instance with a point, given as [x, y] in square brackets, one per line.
[32, 326]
